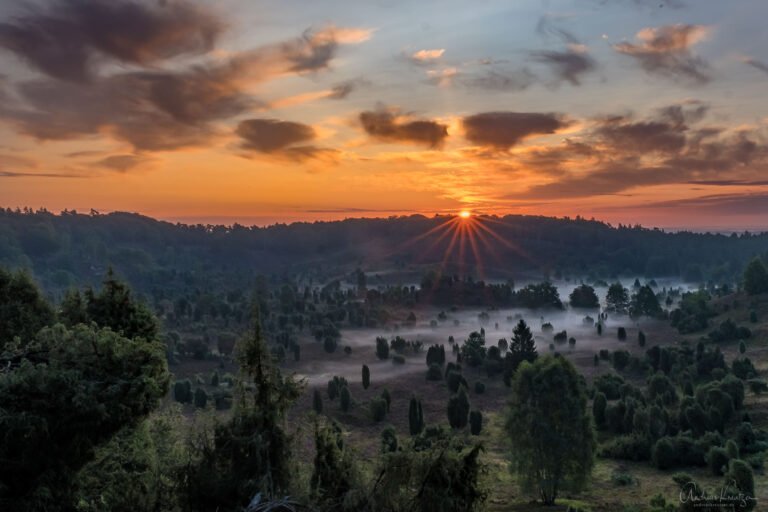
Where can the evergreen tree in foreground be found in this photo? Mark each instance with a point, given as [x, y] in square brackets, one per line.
[251, 453]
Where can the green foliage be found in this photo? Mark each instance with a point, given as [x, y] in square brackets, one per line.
[389, 440]
[475, 422]
[729, 331]
[387, 398]
[382, 348]
[621, 334]
[610, 385]
[114, 307]
[617, 298]
[458, 409]
[435, 372]
[439, 476]
[345, 399]
[436, 355]
[250, 453]
[717, 460]
[378, 409]
[550, 433]
[756, 277]
[201, 398]
[542, 295]
[182, 391]
[330, 344]
[664, 453]
[742, 477]
[456, 380]
[598, 409]
[333, 475]
[415, 416]
[522, 348]
[135, 470]
[620, 359]
[584, 296]
[473, 349]
[95, 382]
[645, 303]
[317, 401]
[366, 376]
[23, 310]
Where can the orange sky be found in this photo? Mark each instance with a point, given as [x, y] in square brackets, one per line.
[234, 111]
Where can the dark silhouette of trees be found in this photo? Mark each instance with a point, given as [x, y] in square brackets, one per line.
[584, 296]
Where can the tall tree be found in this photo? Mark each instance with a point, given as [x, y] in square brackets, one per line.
[645, 303]
[617, 298]
[250, 453]
[93, 383]
[24, 310]
[550, 432]
[522, 348]
[584, 296]
[756, 277]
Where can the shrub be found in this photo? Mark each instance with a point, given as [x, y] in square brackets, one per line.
[182, 391]
[596, 360]
[628, 447]
[610, 385]
[201, 398]
[742, 477]
[317, 401]
[345, 399]
[598, 409]
[222, 400]
[458, 409]
[398, 359]
[366, 376]
[561, 337]
[475, 422]
[717, 460]
[435, 372]
[378, 409]
[664, 453]
[622, 478]
[347, 350]
[215, 379]
[388, 440]
[620, 359]
[732, 448]
[387, 398]
[382, 348]
[415, 416]
[330, 344]
[479, 388]
[641, 338]
[622, 334]
[455, 381]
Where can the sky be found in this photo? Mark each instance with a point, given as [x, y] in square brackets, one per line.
[628, 111]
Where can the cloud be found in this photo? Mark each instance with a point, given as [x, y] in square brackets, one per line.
[68, 39]
[492, 80]
[166, 109]
[666, 51]
[15, 162]
[502, 130]
[422, 56]
[283, 139]
[567, 65]
[392, 126]
[343, 89]
[762, 66]
[748, 204]
[122, 163]
[619, 153]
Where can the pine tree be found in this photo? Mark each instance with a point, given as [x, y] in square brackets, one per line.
[415, 416]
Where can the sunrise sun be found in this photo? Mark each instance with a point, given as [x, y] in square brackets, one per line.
[465, 214]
